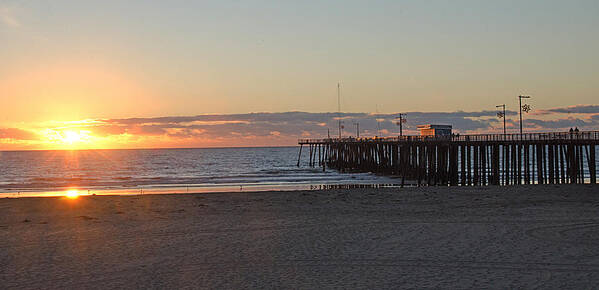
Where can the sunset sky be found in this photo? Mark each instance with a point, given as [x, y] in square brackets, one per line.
[139, 74]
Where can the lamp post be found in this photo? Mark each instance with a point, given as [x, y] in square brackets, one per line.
[502, 115]
[400, 123]
[526, 109]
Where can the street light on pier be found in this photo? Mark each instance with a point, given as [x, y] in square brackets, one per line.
[526, 108]
[400, 123]
[502, 115]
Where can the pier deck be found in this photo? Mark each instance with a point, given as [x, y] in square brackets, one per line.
[486, 159]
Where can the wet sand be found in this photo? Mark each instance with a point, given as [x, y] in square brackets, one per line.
[437, 237]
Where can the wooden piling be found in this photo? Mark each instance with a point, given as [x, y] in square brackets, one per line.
[592, 164]
[464, 160]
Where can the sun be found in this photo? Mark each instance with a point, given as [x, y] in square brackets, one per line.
[72, 194]
[71, 137]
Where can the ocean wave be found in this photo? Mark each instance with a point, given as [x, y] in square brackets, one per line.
[139, 168]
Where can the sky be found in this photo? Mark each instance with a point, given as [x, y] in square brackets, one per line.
[124, 74]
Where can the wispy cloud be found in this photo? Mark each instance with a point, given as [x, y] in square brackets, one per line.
[576, 109]
[8, 17]
[17, 134]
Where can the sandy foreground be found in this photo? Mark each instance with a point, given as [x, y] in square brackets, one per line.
[500, 237]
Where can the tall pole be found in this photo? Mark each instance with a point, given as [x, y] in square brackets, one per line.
[401, 120]
[400, 126]
[520, 98]
[378, 123]
[339, 106]
[504, 132]
[503, 106]
[357, 129]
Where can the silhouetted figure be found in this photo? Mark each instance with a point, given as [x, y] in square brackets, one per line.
[571, 133]
[576, 130]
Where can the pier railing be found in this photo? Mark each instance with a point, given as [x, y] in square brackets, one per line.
[546, 136]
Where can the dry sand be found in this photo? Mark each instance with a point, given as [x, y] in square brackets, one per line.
[498, 237]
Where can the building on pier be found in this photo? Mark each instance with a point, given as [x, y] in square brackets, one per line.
[434, 130]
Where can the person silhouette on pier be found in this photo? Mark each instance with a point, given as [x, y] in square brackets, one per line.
[571, 133]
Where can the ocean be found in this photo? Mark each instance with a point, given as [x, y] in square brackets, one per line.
[147, 171]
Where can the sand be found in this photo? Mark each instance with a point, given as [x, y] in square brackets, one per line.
[437, 237]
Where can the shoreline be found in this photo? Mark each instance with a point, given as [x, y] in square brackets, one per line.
[436, 237]
[246, 188]
[176, 189]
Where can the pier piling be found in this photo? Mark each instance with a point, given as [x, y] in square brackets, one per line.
[466, 160]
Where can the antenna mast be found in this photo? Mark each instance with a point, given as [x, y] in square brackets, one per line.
[378, 123]
[339, 106]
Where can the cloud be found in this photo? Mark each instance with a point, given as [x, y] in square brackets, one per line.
[301, 124]
[576, 109]
[7, 17]
[563, 124]
[17, 134]
[296, 124]
[264, 129]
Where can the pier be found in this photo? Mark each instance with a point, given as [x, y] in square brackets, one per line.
[466, 160]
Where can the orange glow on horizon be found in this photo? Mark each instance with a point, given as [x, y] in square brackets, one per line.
[71, 137]
[89, 134]
[72, 194]
[68, 138]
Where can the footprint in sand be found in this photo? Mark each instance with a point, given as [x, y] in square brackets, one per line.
[84, 217]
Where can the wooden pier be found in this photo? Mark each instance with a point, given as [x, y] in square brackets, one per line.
[494, 159]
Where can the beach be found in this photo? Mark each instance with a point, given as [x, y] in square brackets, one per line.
[428, 237]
